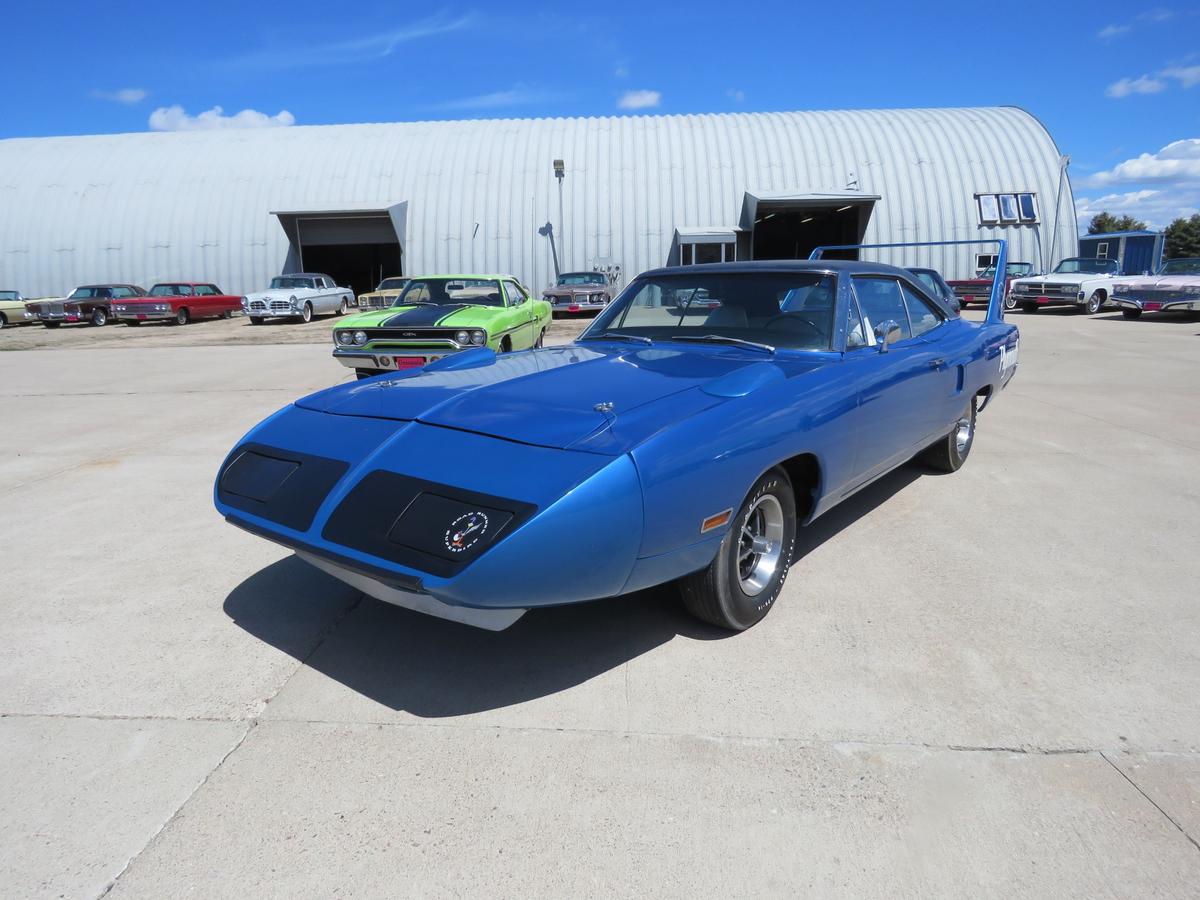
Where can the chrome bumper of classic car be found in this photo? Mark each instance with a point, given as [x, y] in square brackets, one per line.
[58, 315]
[1048, 293]
[387, 358]
[489, 619]
[141, 314]
[1155, 304]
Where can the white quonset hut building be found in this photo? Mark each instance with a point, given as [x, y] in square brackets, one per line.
[362, 201]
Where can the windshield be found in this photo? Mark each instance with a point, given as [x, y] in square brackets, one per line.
[1011, 270]
[392, 284]
[1181, 267]
[473, 291]
[290, 282]
[1078, 264]
[581, 278]
[171, 290]
[786, 309]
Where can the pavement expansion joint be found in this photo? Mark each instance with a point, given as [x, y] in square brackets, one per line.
[1166, 815]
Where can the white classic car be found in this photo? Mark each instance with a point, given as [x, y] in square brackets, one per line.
[1174, 288]
[1081, 282]
[298, 296]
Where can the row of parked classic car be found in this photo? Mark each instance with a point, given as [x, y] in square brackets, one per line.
[1085, 283]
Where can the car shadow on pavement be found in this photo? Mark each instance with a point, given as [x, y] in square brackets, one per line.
[433, 668]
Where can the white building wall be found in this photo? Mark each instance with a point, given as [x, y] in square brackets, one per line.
[196, 205]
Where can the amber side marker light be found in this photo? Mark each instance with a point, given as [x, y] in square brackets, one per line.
[716, 521]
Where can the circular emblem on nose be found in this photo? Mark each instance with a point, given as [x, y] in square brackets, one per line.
[465, 531]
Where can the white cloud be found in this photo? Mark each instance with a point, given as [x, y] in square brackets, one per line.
[356, 50]
[517, 95]
[1144, 84]
[175, 118]
[1108, 32]
[1176, 163]
[1152, 16]
[1187, 76]
[737, 96]
[639, 99]
[128, 96]
[622, 70]
[1157, 208]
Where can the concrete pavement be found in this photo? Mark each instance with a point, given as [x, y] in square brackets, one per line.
[982, 683]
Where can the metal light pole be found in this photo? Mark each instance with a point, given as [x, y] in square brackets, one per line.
[560, 170]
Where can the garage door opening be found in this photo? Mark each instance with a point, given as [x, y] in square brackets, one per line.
[788, 231]
[357, 266]
[357, 249]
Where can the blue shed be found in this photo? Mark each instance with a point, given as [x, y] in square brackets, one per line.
[1138, 252]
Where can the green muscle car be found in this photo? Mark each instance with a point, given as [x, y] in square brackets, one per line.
[441, 314]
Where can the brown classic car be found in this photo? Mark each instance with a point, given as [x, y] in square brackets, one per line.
[90, 303]
[979, 288]
[578, 292]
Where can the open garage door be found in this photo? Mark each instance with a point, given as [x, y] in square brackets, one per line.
[357, 248]
[788, 225]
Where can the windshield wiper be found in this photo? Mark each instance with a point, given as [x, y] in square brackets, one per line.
[722, 339]
[616, 335]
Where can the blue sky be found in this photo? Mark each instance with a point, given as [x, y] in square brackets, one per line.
[1117, 84]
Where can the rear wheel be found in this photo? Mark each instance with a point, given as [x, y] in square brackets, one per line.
[739, 587]
[228, 314]
[181, 316]
[99, 316]
[1095, 302]
[1131, 313]
[949, 453]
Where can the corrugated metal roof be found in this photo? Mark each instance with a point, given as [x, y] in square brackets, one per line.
[143, 207]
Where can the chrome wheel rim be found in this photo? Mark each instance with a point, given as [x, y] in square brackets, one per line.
[962, 433]
[760, 545]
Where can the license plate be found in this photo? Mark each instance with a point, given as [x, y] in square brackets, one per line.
[409, 362]
[1043, 300]
[141, 315]
[968, 299]
[1151, 307]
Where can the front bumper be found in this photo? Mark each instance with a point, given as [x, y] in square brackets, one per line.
[389, 359]
[143, 315]
[1076, 299]
[1180, 304]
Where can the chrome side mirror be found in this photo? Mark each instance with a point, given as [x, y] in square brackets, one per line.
[885, 333]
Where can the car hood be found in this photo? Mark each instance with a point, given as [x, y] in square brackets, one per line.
[1184, 283]
[1061, 278]
[420, 315]
[580, 397]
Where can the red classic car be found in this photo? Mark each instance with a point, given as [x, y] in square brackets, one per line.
[978, 290]
[177, 302]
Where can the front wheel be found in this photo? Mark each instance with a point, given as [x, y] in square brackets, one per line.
[256, 320]
[360, 374]
[3, 320]
[1095, 302]
[1010, 302]
[306, 314]
[99, 316]
[739, 587]
[51, 324]
[949, 453]
[1131, 313]
[1029, 306]
[181, 317]
[343, 308]
[541, 340]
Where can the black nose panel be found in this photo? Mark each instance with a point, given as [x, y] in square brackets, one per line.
[279, 485]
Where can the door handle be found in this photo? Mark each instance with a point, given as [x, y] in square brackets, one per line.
[938, 363]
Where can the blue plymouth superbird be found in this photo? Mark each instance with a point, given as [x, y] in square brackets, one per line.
[707, 413]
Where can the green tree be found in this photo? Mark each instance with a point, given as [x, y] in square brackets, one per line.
[1183, 238]
[1106, 223]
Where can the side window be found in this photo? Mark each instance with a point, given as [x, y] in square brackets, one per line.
[515, 294]
[116, 292]
[920, 313]
[186, 290]
[880, 300]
